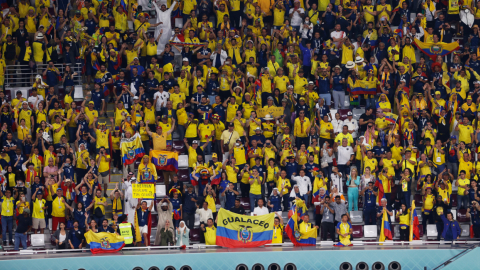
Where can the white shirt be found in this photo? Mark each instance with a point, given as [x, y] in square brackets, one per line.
[337, 35]
[337, 181]
[162, 99]
[33, 99]
[223, 56]
[352, 125]
[344, 154]
[304, 183]
[260, 211]
[204, 214]
[337, 125]
[429, 14]
[306, 31]
[296, 19]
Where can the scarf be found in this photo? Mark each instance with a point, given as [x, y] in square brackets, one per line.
[431, 7]
[117, 204]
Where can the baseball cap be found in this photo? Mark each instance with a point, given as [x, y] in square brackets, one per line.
[349, 113]
[195, 142]
[453, 137]
[135, 97]
[91, 102]
[185, 59]
[214, 155]
[164, 204]
[231, 125]
[310, 82]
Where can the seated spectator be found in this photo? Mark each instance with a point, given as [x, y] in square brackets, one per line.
[61, 237]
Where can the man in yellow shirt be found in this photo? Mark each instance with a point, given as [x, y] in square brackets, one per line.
[463, 184]
[206, 131]
[159, 138]
[301, 130]
[210, 231]
[409, 162]
[8, 205]
[99, 206]
[103, 163]
[465, 132]
[344, 135]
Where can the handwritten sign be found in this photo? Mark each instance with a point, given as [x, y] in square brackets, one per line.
[273, 111]
[145, 191]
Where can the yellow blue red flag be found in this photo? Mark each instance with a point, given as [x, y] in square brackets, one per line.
[298, 236]
[132, 149]
[104, 242]
[164, 160]
[436, 49]
[239, 231]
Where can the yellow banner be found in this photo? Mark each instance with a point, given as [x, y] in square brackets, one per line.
[143, 191]
[273, 111]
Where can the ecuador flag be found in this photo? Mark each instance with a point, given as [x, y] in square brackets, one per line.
[414, 232]
[131, 149]
[360, 87]
[164, 160]
[104, 242]
[299, 235]
[239, 231]
[436, 49]
[386, 231]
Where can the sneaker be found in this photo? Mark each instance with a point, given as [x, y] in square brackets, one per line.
[11, 243]
[114, 170]
[4, 243]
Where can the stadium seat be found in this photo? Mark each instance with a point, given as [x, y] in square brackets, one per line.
[38, 240]
[357, 231]
[326, 243]
[454, 212]
[453, 200]
[154, 220]
[418, 200]
[370, 231]
[195, 235]
[208, 158]
[183, 161]
[183, 175]
[197, 221]
[454, 187]
[462, 215]
[357, 113]
[179, 146]
[465, 230]
[431, 230]
[245, 202]
[343, 113]
[396, 231]
[356, 216]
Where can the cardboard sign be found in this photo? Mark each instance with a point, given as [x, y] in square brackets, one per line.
[273, 111]
[145, 191]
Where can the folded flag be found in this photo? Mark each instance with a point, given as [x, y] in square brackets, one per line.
[104, 242]
[436, 49]
[164, 160]
[239, 231]
[344, 228]
[414, 231]
[132, 149]
[300, 235]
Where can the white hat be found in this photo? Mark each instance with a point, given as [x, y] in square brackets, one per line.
[476, 82]
[258, 128]
[185, 59]
[310, 82]
[350, 64]
[337, 66]
[136, 58]
[195, 142]
[268, 117]
[290, 86]
[133, 178]
[164, 204]
[39, 35]
[359, 59]
[135, 97]
[349, 113]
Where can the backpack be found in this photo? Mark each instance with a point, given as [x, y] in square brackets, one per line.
[10, 52]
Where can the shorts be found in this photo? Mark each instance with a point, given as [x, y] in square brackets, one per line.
[453, 18]
[38, 223]
[144, 229]
[103, 177]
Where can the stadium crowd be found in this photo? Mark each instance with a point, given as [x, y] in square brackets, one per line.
[265, 89]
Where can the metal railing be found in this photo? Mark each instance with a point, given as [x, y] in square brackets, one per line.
[24, 76]
[321, 244]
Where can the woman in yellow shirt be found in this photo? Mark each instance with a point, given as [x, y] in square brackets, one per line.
[404, 219]
[238, 93]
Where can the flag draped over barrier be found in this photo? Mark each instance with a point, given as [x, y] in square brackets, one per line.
[132, 149]
[385, 231]
[239, 231]
[104, 242]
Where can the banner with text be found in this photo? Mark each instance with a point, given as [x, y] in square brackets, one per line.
[143, 191]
